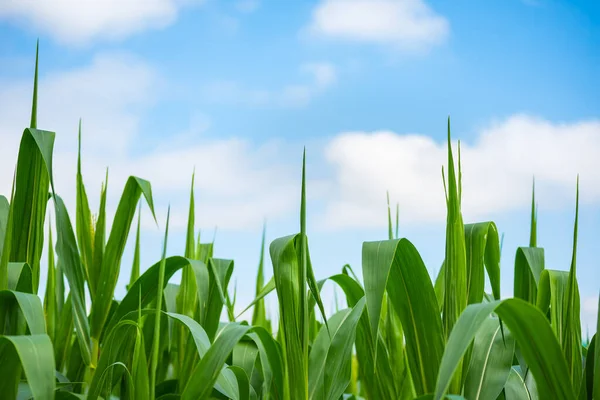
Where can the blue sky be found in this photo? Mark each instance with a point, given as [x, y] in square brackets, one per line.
[237, 88]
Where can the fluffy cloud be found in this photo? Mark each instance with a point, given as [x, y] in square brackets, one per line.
[319, 77]
[238, 183]
[78, 22]
[247, 6]
[497, 170]
[404, 24]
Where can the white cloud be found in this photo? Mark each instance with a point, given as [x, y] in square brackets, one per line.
[78, 22]
[321, 75]
[238, 183]
[497, 171]
[247, 6]
[404, 24]
[324, 74]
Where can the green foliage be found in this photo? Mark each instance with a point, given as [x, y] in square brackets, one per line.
[400, 335]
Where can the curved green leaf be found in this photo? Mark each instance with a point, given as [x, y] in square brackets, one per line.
[529, 264]
[146, 286]
[32, 183]
[531, 331]
[66, 248]
[32, 355]
[29, 305]
[111, 260]
[491, 361]
[515, 388]
[205, 374]
[482, 249]
[396, 265]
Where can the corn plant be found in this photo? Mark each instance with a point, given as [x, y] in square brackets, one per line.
[401, 335]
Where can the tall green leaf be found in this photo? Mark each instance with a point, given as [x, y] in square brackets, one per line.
[159, 297]
[515, 388]
[572, 328]
[396, 266]
[50, 308]
[532, 333]
[482, 249]
[491, 361]
[455, 261]
[31, 355]
[99, 237]
[551, 297]
[205, 374]
[111, 260]
[66, 248]
[32, 184]
[135, 267]
[18, 304]
[83, 223]
[529, 265]
[259, 316]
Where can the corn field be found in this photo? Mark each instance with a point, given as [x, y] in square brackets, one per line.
[403, 334]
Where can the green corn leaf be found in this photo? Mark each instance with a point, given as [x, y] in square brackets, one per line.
[515, 388]
[135, 267]
[455, 264]
[290, 284]
[146, 286]
[31, 355]
[111, 260]
[376, 372]
[7, 243]
[329, 362]
[119, 349]
[259, 316]
[543, 355]
[482, 248]
[22, 304]
[64, 329]
[66, 248]
[34, 101]
[211, 281]
[529, 265]
[244, 356]
[551, 296]
[396, 266]
[99, 238]
[205, 374]
[159, 297]
[187, 297]
[338, 363]
[20, 277]
[533, 230]
[32, 184]
[572, 322]
[586, 390]
[83, 222]
[202, 345]
[50, 306]
[243, 382]
[491, 361]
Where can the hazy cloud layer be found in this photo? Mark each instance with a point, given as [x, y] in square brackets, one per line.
[402, 24]
[497, 168]
[79, 22]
